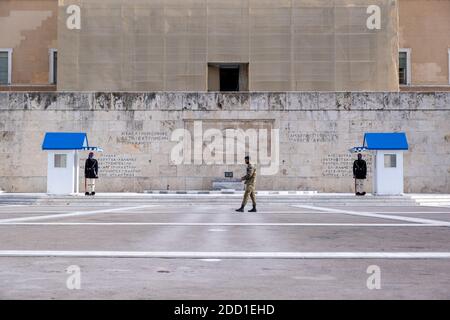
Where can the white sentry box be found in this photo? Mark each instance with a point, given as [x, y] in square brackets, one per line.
[63, 172]
[388, 172]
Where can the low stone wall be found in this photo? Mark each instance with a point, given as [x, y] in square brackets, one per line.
[135, 129]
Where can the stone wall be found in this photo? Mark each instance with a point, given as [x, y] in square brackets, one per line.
[135, 129]
[29, 28]
[424, 26]
[289, 45]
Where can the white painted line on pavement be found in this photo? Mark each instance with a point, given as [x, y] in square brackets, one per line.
[211, 260]
[184, 211]
[36, 212]
[227, 255]
[181, 212]
[407, 212]
[376, 215]
[244, 224]
[224, 213]
[71, 214]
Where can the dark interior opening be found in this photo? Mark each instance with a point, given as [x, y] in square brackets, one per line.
[229, 78]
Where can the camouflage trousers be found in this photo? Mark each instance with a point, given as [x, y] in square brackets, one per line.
[249, 192]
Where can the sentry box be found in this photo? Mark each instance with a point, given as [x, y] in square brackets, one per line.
[63, 170]
[388, 149]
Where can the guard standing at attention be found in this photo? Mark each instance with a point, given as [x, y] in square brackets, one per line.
[359, 174]
[90, 174]
[250, 181]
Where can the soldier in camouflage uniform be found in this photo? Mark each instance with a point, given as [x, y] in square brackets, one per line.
[250, 180]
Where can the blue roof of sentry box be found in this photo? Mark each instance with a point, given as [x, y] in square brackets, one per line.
[386, 141]
[65, 141]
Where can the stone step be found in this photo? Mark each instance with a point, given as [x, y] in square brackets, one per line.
[142, 199]
[230, 191]
[432, 199]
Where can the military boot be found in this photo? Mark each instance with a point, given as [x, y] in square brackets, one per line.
[253, 210]
[241, 209]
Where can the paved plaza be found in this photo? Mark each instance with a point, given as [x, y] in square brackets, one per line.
[197, 247]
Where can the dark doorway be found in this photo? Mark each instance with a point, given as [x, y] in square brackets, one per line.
[229, 78]
[223, 76]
